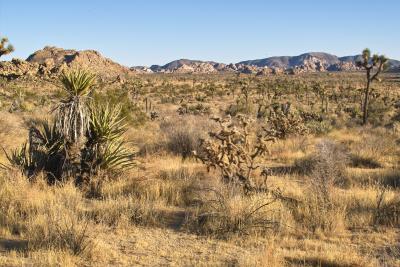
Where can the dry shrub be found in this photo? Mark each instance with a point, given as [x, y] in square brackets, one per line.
[387, 210]
[327, 164]
[59, 229]
[330, 160]
[318, 215]
[224, 210]
[183, 134]
[318, 211]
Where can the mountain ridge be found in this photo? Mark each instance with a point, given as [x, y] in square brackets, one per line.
[51, 60]
[306, 62]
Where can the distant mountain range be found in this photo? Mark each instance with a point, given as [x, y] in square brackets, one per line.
[307, 62]
[52, 60]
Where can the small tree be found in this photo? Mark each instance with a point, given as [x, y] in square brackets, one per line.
[378, 62]
[4, 48]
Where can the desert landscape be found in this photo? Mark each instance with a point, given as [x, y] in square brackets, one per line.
[278, 161]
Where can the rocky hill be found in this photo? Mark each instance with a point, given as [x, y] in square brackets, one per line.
[188, 66]
[52, 61]
[308, 62]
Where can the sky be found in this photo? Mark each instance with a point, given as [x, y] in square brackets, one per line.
[140, 32]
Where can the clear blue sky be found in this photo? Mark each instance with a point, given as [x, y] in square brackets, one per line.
[156, 32]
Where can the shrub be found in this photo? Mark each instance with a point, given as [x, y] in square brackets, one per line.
[387, 210]
[317, 211]
[282, 123]
[130, 110]
[183, 136]
[234, 151]
[224, 210]
[319, 127]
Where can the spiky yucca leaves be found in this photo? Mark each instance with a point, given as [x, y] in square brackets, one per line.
[105, 148]
[47, 149]
[106, 123]
[43, 152]
[19, 158]
[52, 139]
[114, 156]
[72, 112]
[4, 48]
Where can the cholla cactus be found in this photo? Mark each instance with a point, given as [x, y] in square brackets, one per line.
[282, 122]
[232, 151]
[4, 48]
[377, 62]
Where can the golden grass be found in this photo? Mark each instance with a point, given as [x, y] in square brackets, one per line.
[151, 216]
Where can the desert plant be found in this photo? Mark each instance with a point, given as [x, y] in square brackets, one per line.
[104, 149]
[282, 122]
[19, 158]
[387, 211]
[183, 136]
[72, 117]
[72, 111]
[43, 152]
[106, 123]
[223, 211]
[4, 48]
[112, 156]
[86, 137]
[318, 211]
[233, 152]
[378, 62]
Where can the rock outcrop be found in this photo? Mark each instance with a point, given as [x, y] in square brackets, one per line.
[51, 61]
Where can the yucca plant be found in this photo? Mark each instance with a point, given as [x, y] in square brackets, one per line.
[43, 152]
[72, 112]
[105, 148]
[47, 149]
[84, 138]
[19, 158]
[51, 139]
[106, 123]
[114, 156]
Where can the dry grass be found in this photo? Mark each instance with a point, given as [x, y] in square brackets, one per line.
[173, 212]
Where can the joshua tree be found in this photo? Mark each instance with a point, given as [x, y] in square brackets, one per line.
[4, 48]
[378, 62]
